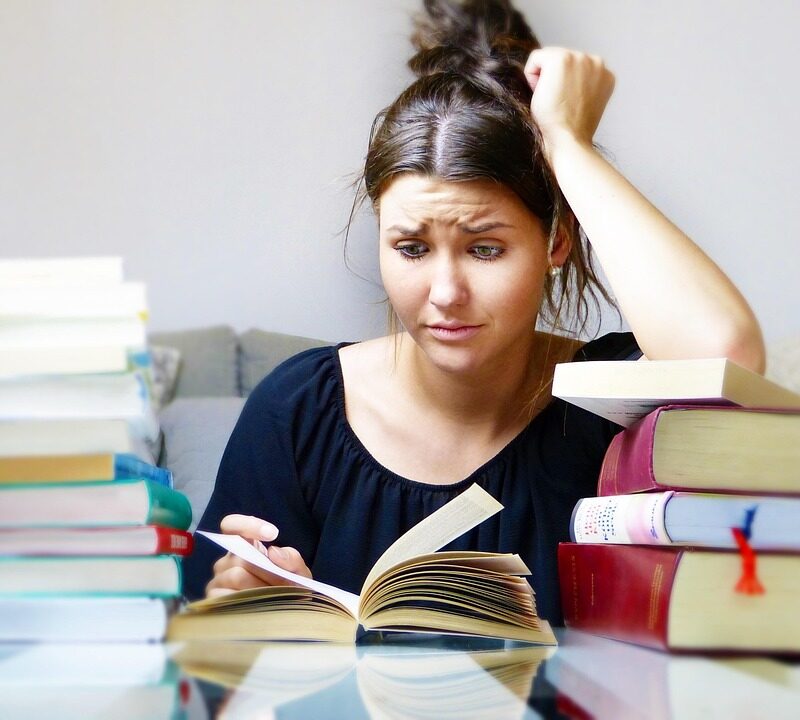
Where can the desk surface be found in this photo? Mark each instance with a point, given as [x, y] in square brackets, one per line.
[585, 677]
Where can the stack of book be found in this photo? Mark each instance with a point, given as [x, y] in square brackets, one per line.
[693, 542]
[89, 526]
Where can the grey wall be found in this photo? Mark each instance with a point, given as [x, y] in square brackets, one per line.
[212, 142]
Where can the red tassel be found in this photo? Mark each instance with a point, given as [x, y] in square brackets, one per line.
[748, 584]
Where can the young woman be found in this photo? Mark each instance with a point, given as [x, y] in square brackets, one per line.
[487, 186]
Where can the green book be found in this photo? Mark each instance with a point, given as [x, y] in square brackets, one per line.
[93, 504]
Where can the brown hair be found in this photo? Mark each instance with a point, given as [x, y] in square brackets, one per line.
[467, 116]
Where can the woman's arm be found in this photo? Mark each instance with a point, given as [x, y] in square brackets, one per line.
[678, 302]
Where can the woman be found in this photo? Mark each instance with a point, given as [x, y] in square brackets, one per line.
[486, 185]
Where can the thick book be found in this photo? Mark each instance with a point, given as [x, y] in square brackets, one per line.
[411, 588]
[76, 271]
[680, 598]
[134, 540]
[58, 333]
[23, 362]
[127, 299]
[80, 468]
[718, 449]
[676, 518]
[60, 397]
[67, 437]
[623, 391]
[93, 504]
[157, 576]
[83, 619]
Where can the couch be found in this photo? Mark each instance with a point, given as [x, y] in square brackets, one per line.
[200, 402]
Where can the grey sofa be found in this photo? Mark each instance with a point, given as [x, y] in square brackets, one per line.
[217, 371]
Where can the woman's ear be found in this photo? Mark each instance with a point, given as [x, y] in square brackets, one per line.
[561, 247]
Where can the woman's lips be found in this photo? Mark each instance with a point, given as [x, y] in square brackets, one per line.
[453, 333]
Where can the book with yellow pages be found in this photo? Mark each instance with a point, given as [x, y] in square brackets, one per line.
[623, 391]
[410, 588]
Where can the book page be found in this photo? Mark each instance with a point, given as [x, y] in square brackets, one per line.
[462, 513]
[243, 549]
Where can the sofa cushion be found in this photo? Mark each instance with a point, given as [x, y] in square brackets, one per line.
[196, 431]
[208, 360]
[262, 352]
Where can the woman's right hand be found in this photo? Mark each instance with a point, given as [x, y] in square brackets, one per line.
[231, 573]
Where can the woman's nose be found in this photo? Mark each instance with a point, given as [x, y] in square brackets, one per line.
[448, 284]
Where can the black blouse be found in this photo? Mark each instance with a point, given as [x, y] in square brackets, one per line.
[294, 460]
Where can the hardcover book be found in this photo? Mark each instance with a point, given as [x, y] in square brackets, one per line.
[78, 468]
[680, 598]
[726, 449]
[623, 391]
[700, 519]
[411, 588]
[99, 504]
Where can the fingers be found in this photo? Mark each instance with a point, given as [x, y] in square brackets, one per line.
[249, 527]
[231, 573]
[289, 559]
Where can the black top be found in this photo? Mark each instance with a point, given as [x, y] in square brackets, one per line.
[294, 460]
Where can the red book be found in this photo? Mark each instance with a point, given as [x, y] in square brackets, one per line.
[680, 598]
[705, 448]
[135, 540]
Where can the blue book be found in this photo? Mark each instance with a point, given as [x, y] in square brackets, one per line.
[99, 467]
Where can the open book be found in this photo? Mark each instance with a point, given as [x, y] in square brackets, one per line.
[410, 588]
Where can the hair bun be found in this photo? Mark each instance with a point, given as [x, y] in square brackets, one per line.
[478, 38]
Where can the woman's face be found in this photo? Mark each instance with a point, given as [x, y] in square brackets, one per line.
[463, 265]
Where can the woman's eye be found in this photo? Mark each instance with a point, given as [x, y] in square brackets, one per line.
[412, 250]
[487, 252]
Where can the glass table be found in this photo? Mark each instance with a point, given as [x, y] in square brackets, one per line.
[391, 676]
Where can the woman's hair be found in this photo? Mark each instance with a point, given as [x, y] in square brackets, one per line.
[466, 117]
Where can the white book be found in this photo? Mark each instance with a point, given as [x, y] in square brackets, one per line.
[16, 272]
[623, 391]
[129, 332]
[90, 619]
[61, 397]
[29, 362]
[66, 437]
[108, 300]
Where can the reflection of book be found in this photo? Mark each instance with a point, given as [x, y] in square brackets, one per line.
[641, 683]
[410, 588]
[83, 619]
[157, 575]
[705, 448]
[688, 519]
[77, 467]
[625, 391]
[395, 680]
[118, 502]
[679, 598]
[100, 680]
[119, 540]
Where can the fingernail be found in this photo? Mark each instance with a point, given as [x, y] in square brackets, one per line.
[275, 550]
[268, 532]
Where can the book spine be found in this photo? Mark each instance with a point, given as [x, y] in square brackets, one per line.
[628, 463]
[172, 542]
[167, 507]
[130, 467]
[617, 591]
[638, 518]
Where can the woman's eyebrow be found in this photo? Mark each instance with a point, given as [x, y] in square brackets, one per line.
[486, 227]
[407, 231]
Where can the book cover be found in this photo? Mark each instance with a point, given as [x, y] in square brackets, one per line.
[623, 391]
[411, 587]
[80, 468]
[721, 449]
[680, 598]
[98, 504]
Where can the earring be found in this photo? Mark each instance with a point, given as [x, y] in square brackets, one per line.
[554, 271]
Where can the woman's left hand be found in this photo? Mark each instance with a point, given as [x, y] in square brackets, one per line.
[570, 93]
